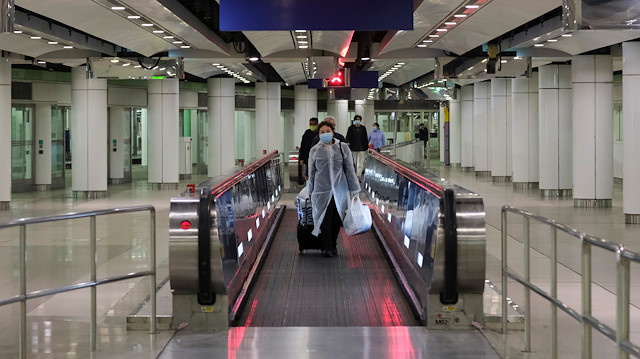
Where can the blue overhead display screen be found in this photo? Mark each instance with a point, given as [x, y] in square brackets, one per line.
[372, 15]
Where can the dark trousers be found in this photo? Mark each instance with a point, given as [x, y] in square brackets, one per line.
[330, 227]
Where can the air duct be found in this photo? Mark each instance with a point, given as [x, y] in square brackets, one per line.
[8, 13]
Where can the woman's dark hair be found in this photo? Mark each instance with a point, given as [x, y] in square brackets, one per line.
[376, 124]
[326, 123]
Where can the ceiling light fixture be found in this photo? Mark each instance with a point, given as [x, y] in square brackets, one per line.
[433, 35]
[567, 35]
[146, 25]
[67, 47]
[538, 45]
[133, 17]
[158, 31]
[472, 6]
[553, 40]
[117, 8]
[36, 37]
[254, 58]
[451, 23]
[52, 43]
[115, 61]
[126, 64]
[441, 30]
[422, 45]
[304, 46]
[42, 62]
[301, 36]
[503, 61]
[177, 42]
[459, 15]
[365, 59]
[185, 47]
[17, 32]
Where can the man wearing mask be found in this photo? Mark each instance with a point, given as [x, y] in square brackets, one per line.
[358, 143]
[332, 121]
[376, 137]
[305, 147]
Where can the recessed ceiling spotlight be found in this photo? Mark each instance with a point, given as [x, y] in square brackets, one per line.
[36, 37]
[567, 35]
[133, 17]
[146, 25]
[459, 15]
[472, 6]
[538, 45]
[117, 8]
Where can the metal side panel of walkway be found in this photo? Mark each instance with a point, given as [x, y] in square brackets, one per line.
[355, 289]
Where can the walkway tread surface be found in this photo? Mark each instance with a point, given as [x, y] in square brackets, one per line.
[356, 288]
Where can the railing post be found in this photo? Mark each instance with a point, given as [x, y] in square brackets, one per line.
[586, 297]
[504, 271]
[554, 292]
[94, 259]
[527, 291]
[622, 331]
[152, 294]
[23, 291]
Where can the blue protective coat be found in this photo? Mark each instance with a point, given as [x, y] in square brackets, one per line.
[331, 174]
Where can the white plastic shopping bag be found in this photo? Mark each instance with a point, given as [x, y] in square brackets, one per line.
[358, 217]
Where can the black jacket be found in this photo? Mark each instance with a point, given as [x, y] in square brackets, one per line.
[306, 144]
[335, 135]
[357, 138]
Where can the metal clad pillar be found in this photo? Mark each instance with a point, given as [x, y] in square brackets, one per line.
[466, 128]
[305, 107]
[631, 128]
[481, 128]
[555, 130]
[89, 128]
[499, 144]
[221, 107]
[43, 146]
[524, 131]
[116, 148]
[592, 77]
[5, 133]
[163, 131]
[455, 118]
[366, 109]
[339, 110]
[268, 121]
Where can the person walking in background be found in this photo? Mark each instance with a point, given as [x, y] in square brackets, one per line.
[305, 146]
[358, 143]
[376, 137]
[332, 183]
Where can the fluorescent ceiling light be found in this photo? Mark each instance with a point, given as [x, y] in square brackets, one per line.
[17, 32]
[517, 58]
[422, 45]
[215, 64]
[162, 69]
[158, 32]
[472, 6]
[115, 61]
[538, 45]
[401, 63]
[254, 58]
[146, 25]
[36, 37]
[177, 42]
[441, 30]
[301, 30]
[459, 15]
[167, 37]
[484, 61]
[301, 36]
[137, 66]
[52, 43]
[126, 64]
[133, 17]
[365, 59]
[503, 61]
[567, 35]
[304, 46]
[185, 47]
[303, 42]
[470, 68]
[432, 35]
[450, 23]
[67, 47]
[552, 40]
[117, 8]
[42, 62]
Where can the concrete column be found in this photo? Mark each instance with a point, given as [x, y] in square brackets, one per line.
[631, 127]
[441, 133]
[89, 129]
[555, 132]
[163, 133]
[466, 128]
[592, 77]
[305, 106]
[268, 131]
[481, 128]
[221, 107]
[524, 109]
[339, 109]
[43, 146]
[249, 134]
[366, 109]
[144, 124]
[509, 133]
[500, 130]
[454, 129]
[5, 134]
[115, 144]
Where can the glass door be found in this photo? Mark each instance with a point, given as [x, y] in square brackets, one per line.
[203, 142]
[22, 147]
[129, 121]
[58, 115]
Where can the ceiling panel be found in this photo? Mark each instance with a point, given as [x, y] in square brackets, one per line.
[428, 15]
[291, 72]
[410, 70]
[492, 20]
[270, 42]
[588, 40]
[337, 42]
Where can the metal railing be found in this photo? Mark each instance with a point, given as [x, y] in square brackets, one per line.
[23, 297]
[624, 257]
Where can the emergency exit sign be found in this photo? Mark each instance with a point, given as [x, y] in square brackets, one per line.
[367, 15]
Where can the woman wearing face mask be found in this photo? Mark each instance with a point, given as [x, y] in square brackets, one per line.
[332, 183]
[376, 137]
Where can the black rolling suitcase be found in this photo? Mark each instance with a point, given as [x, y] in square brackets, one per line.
[306, 240]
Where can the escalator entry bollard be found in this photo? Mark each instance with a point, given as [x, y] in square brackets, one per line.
[191, 188]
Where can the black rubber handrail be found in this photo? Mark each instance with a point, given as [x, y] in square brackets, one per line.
[449, 295]
[205, 290]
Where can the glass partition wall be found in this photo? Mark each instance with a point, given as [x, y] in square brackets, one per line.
[22, 147]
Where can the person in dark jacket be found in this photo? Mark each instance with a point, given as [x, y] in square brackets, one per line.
[332, 121]
[305, 147]
[358, 143]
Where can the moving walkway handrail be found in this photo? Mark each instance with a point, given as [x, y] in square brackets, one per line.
[413, 176]
[93, 283]
[237, 177]
[624, 258]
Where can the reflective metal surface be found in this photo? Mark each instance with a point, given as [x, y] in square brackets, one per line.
[411, 152]
[410, 203]
[243, 202]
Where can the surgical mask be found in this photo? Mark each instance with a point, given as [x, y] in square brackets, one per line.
[326, 137]
[313, 127]
[356, 122]
[375, 129]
